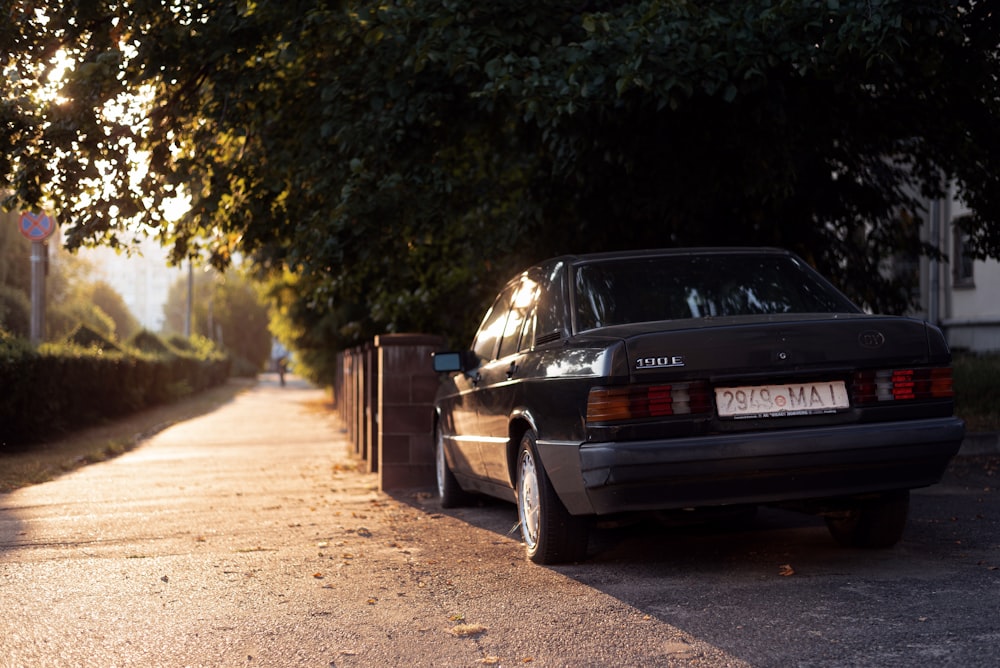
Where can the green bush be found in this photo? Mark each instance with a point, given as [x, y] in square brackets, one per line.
[977, 390]
[15, 311]
[180, 343]
[87, 337]
[61, 387]
[62, 321]
[148, 342]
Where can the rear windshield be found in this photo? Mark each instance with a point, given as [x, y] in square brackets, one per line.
[618, 292]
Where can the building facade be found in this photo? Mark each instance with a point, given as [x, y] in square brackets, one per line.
[960, 295]
[143, 280]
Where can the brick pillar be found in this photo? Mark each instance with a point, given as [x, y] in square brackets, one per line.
[406, 388]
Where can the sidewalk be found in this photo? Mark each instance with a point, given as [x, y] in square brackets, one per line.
[980, 444]
[248, 537]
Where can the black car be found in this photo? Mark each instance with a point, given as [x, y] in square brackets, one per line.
[692, 379]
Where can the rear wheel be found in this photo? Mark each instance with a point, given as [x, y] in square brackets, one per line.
[451, 493]
[551, 535]
[873, 523]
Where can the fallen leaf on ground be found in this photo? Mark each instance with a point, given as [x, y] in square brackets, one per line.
[466, 630]
[786, 570]
[678, 649]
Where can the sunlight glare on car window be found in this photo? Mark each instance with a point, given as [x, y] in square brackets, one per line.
[525, 294]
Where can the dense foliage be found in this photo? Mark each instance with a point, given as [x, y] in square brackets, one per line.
[106, 298]
[393, 161]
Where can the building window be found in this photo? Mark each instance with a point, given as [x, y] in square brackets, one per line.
[961, 261]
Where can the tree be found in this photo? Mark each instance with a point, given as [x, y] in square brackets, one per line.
[15, 255]
[108, 300]
[15, 278]
[226, 309]
[64, 319]
[242, 318]
[15, 312]
[401, 158]
[199, 285]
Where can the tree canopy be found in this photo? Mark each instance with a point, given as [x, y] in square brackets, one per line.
[401, 158]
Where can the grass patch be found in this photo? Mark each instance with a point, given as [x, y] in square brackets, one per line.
[42, 462]
[977, 390]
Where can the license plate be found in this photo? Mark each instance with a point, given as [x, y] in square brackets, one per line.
[781, 400]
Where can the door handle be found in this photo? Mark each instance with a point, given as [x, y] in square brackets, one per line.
[511, 370]
[475, 379]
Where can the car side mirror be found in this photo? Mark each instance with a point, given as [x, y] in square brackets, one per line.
[451, 361]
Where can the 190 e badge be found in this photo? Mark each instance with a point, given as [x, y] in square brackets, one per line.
[659, 362]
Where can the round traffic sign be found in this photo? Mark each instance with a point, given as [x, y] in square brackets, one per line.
[37, 226]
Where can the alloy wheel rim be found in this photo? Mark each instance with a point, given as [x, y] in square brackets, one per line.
[527, 500]
[440, 465]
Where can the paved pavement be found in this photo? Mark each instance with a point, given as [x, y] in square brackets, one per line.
[246, 537]
[981, 444]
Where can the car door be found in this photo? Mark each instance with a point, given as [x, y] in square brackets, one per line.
[469, 434]
[500, 381]
[459, 426]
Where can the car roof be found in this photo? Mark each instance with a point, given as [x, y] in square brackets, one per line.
[580, 258]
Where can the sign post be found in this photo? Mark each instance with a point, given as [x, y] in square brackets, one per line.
[37, 227]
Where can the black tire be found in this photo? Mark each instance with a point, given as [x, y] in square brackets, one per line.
[451, 493]
[550, 534]
[872, 523]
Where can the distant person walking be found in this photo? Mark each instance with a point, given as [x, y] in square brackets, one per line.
[279, 357]
[282, 367]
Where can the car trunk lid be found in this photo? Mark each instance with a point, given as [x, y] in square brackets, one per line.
[763, 346]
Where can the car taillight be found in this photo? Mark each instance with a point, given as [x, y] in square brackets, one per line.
[870, 387]
[608, 404]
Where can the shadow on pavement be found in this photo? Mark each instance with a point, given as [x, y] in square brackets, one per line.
[773, 535]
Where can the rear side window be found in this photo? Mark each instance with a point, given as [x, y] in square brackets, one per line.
[492, 328]
[522, 304]
[551, 313]
[648, 289]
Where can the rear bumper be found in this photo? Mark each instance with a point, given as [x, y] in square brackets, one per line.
[767, 467]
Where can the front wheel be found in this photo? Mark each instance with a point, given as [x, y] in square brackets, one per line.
[551, 535]
[872, 523]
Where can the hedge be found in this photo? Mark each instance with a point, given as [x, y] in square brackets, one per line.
[61, 387]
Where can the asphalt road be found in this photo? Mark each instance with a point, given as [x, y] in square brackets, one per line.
[247, 538]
